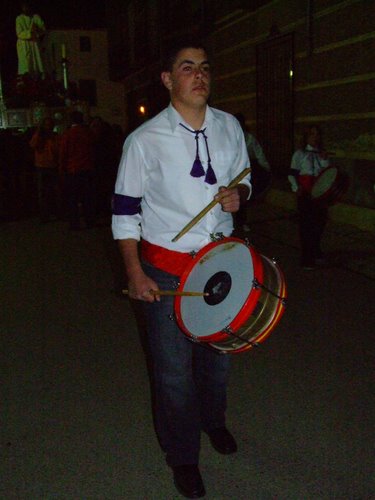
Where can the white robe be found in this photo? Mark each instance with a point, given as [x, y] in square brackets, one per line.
[29, 58]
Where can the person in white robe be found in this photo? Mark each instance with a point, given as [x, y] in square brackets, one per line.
[29, 28]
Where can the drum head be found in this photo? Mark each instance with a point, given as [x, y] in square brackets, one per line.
[226, 271]
[325, 180]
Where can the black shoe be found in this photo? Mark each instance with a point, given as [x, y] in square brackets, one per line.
[223, 441]
[188, 481]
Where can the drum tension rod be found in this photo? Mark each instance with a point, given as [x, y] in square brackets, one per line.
[260, 285]
[229, 331]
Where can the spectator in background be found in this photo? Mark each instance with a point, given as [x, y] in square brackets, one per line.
[77, 167]
[260, 172]
[307, 163]
[106, 158]
[17, 172]
[44, 143]
[6, 193]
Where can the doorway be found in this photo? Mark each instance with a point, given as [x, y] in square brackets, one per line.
[275, 113]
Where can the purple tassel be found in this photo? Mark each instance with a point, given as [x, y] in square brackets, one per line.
[197, 169]
[210, 175]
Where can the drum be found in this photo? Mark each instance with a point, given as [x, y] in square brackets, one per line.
[329, 186]
[246, 296]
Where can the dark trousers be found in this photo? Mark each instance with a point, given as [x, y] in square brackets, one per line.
[189, 380]
[48, 193]
[79, 188]
[312, 221]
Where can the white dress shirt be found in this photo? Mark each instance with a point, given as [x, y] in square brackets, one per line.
[155, 167]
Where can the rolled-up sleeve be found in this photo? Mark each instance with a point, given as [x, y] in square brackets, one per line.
[129, 187]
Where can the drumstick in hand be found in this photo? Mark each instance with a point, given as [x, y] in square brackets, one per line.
[211, 205]
[173, 292]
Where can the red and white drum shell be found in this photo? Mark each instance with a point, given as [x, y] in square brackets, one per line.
[246, 296]
[329, 186]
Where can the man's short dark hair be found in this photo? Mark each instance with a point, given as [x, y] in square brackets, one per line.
[174, 48]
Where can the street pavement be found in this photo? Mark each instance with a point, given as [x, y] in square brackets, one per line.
[76, 417]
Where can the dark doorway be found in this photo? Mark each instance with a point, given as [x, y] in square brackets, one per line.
[275, 101]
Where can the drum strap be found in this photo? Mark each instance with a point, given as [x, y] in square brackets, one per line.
[168, 260]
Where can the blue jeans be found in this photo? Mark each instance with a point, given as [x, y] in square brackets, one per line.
[189, 380]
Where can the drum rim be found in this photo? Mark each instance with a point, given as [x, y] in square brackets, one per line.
[319, 176]
[274, 320]
[279, 312]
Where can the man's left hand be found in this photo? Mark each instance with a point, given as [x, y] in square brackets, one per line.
[229, 199]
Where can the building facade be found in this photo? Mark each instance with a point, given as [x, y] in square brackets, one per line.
[86, 55]
[283, 64]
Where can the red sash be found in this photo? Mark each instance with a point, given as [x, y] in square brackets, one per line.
[168, 260]
[306, 182]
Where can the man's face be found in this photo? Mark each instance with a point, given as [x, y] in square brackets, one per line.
[189, 81]
[313, 137]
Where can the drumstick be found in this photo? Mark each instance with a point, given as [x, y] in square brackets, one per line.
[173, 292]
[211, 205]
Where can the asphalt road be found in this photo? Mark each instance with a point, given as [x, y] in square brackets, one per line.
[75, 404]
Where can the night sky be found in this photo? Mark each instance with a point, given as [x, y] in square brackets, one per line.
[56, 14]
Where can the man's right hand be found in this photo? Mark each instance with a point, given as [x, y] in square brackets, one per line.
[139, 287]
[139, 284]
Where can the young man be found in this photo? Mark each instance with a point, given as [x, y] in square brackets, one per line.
[307, 163]
[171, 168]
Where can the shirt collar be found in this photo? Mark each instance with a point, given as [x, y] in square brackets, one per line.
[175, 118]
